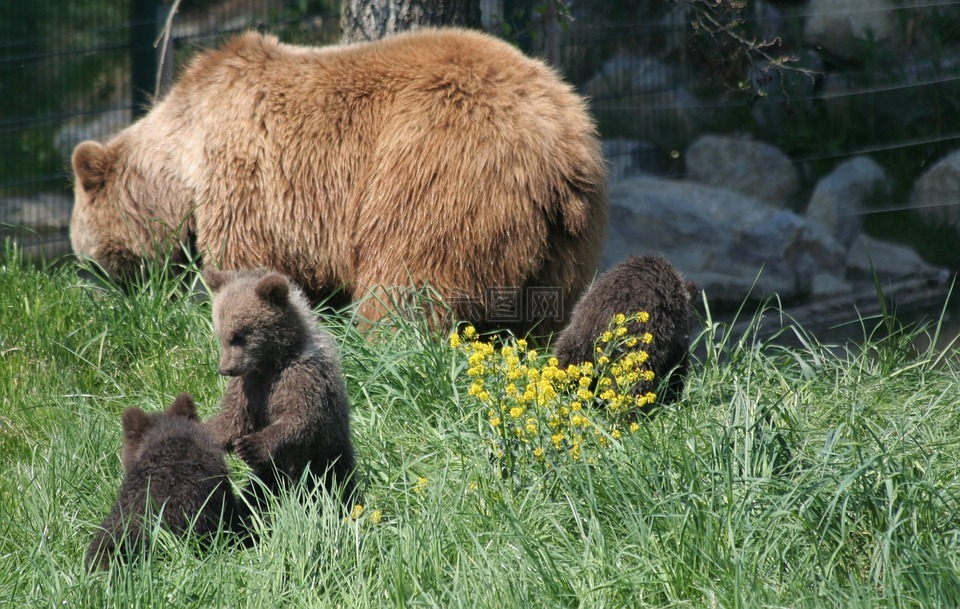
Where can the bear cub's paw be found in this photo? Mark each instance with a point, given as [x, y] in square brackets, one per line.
[249, 449]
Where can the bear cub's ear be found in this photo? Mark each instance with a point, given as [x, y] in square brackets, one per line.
[183, 406]
[135, 423]
[273, 288]
[215, 279]
[92, 162]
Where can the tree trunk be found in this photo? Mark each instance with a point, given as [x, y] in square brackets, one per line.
[373, 19]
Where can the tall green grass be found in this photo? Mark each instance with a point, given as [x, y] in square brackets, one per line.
[787, 477]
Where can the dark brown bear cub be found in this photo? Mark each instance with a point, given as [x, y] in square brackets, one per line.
[650, 284]
[285, 410]
[172, 466]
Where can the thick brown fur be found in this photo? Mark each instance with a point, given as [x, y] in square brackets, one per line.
[650, 284]
[441, 157]
[285, 410]
[171, 464]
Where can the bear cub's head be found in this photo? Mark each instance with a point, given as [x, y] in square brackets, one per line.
[261, 318]
[137, 425]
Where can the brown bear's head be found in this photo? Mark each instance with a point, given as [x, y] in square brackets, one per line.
[129, 206]
[137, 424]
[261, 319]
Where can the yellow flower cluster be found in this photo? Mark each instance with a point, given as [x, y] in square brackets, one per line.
[540, 414]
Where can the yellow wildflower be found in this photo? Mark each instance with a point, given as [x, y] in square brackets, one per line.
[356, 511]
[606, 337]
[643, 317]
[454, 340]
[619, 319]
[469, 332]
[547, 393]
[376, 516]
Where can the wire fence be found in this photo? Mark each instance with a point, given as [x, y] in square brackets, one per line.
[88, 70]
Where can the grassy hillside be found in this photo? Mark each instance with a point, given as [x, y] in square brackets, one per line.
[787, 477]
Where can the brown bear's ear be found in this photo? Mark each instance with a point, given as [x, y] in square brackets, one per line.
[215, 279]
[692, 290]
[273, 288]
[92, 163]
[183, 406]
[135, 424]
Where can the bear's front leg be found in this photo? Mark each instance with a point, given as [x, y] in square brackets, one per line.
[253, 450]
[224, 430]
[233, 420]
[270, 444]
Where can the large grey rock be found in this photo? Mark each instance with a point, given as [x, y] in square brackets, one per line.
[628, 158]
[842, 26]
[723, 241]
[738, 163]
[936, 194]
[38, 224]
[888, 260]
[840, 198]
[646, 97]
[41, 214]
[100, 128]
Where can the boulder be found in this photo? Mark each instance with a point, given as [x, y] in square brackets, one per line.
[936, 194]
[888, 260]
[629, 158]
[843, 26]
[40, 215]
[731, 245]
[743, 165]
[840, 198]
[645, 98]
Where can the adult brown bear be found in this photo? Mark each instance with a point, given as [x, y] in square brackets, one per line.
[441, 157]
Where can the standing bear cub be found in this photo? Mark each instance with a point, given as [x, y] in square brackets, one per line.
[436, 157]
[285, 411]
[650, 284]
[171, 466]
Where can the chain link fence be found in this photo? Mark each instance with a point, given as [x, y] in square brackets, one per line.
[84, 70]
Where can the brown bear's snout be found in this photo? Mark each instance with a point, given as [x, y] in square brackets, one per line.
[230, 365]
